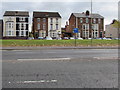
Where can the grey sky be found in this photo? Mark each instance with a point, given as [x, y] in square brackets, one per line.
[109, 10]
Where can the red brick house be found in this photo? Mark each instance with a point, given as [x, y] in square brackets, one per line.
[89, 25]
[46, 24]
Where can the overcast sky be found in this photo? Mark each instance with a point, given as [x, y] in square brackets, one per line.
[109, 10]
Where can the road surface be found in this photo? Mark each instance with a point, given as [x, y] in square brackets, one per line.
[60, 68]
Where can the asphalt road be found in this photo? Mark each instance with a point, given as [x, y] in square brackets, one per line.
[60, 68]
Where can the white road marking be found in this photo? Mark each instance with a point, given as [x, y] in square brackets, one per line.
[106, 57]
[20, 50]
[49, 59]
[53, 80]
[50, 52]
[14, 50]
[41, 81]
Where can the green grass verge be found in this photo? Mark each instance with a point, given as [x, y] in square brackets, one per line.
[6, 43]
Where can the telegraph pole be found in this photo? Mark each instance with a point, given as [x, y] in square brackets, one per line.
[91, 6]
[91, 23]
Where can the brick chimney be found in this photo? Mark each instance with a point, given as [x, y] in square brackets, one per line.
[66, 23]
[87, 13]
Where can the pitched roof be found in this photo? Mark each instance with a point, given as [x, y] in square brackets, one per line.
[84, 15]
[16, 13]
[46, 14]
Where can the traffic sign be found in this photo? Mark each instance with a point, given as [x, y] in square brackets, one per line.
[75, 30]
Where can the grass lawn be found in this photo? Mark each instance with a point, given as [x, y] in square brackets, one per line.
[6, 43]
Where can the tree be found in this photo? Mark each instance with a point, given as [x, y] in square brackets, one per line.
[30, 34]
[116, 23]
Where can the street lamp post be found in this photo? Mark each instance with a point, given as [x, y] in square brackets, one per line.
[91, 23]
[75, 40]
[39, 33]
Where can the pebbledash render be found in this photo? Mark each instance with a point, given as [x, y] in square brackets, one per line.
[89, 25]
[15, 25]
[111, 31]
[46, 24]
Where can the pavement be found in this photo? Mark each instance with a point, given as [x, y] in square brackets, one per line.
[72, 47]
[60, 68]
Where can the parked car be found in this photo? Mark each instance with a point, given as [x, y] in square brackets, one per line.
[72, 38]
[80, 38]
[117, 38]
[30, 38]
[41, 38]
[89, 38]
[59, 38]
[65, 38]
[48, 38]
[106, 38]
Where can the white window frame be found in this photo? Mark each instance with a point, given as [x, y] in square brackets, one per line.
[99, 20]
[38, 26]
[23, 33]
[9, 25]
[18, 31]
[94, 20]
[51, 26]
[38, 19]
[57, 20]
[44, 20]
[87, 27]
[51, 20]
[21, 18]
[95, 29]
[81, 20]
[83, 27]
[87, 20]
[10, 32]
[57, 27]
[44, 26]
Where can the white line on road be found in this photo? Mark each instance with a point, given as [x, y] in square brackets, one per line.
[49, 59]
[50, 52]
[41, 81]
[106, 57]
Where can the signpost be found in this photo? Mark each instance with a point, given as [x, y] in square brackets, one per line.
[75, 30]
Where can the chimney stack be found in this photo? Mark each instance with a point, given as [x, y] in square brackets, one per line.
[87, 13]
[66, 23]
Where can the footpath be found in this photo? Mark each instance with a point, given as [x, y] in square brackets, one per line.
[38, 48]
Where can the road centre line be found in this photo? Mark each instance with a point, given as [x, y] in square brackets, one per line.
[48, 59]
[32, 81]
[105, 57]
